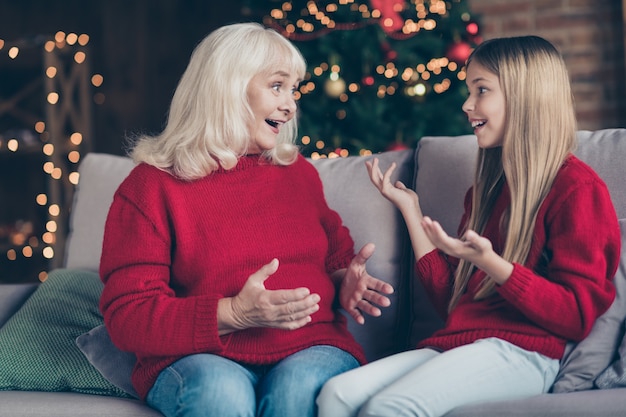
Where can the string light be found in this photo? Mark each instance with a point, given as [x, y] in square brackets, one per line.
[399, 20]
[60, 81]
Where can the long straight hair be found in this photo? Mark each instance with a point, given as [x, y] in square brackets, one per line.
[540, 132]
[209, 117]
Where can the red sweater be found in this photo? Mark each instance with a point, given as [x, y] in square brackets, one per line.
[576, 246]
[172, 249]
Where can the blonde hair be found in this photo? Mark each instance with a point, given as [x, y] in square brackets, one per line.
[207, 125]
[540, 132]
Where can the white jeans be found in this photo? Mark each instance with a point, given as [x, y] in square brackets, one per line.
[427, 383]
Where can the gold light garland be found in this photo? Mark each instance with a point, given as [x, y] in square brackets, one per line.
[314, 21]
[61, 150]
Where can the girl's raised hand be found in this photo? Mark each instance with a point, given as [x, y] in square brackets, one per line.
[397, 193]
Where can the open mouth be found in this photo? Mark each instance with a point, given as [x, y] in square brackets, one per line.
[273, 123]
[478, 123]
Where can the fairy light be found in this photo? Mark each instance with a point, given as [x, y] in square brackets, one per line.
[41, 199]
[73, 157]
[13, 145]
[48, 252]
[48, 238]
[97, 80]
[74, 177]
[76, 138]
[83, 39]
[380, 80]
[48, 149]
[56, 173]
[79, 57]
[54, 210]
[61, 151]
[71, 38]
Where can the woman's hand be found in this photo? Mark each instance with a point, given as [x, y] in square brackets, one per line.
[256, 306]
[360, 292]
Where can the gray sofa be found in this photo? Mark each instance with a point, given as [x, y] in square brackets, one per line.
[440, 169]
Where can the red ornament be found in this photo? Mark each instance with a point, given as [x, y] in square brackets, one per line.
[390, 18]
[397, 146]
[472, 28]
[459, 52]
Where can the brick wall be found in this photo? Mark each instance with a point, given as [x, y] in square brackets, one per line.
[589, 34]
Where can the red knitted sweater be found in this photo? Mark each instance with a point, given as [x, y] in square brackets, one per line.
[173, 248]
[576, 247]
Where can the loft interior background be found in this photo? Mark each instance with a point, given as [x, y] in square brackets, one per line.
[140, 48]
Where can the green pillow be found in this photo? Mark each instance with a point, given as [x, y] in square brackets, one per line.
[37, 345]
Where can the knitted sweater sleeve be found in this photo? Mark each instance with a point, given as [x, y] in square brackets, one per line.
[581, 239]
[138, 304]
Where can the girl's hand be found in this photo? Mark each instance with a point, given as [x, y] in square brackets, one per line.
[360, 292]
[397, 193]
[406, 200]
[471, 247]
[256, 306]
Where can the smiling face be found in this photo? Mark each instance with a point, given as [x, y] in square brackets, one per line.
[485, 106]
[272, 101]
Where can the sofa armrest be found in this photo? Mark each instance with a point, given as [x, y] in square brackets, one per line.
[12, 296]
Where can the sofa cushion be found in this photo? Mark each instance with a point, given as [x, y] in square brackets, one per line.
[586, 360]
[594, 403]
[604, 151]
[372, 218]
[100, 175]
[70, 404]
[37, 349]
[444, 169]
[115, 365]
[615, 375]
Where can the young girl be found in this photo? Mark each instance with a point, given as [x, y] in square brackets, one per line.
[539, 244]
[221, 259]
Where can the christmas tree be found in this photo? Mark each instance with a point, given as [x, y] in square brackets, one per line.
[381, 73]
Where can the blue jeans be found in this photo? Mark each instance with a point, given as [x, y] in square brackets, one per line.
[428, 383]
[209, 385]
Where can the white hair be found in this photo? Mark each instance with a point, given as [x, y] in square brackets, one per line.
[209, 117]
